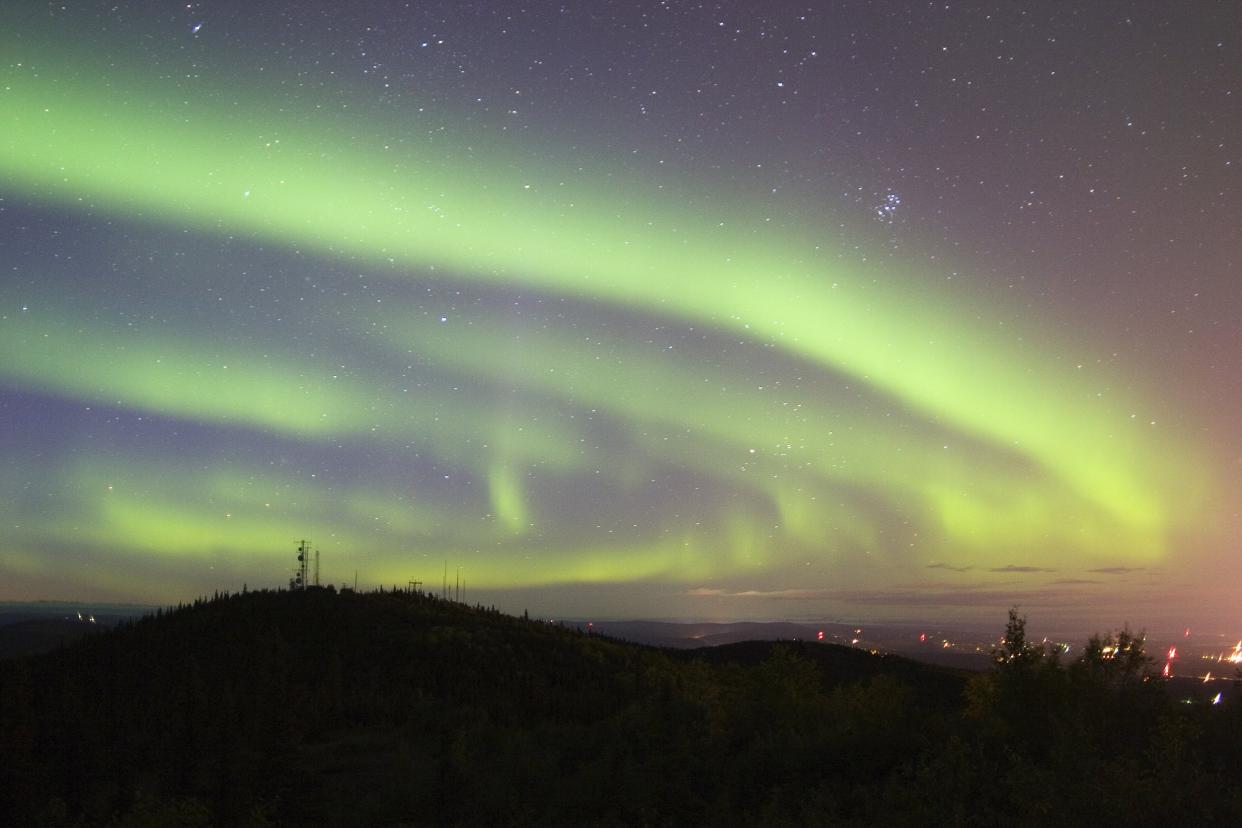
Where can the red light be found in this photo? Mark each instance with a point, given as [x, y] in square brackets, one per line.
[1172, 653]
[820, 635]
[922, 636]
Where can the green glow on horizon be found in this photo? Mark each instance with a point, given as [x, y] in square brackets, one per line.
[240, 522]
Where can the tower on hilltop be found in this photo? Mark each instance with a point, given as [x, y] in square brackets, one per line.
[299, 579]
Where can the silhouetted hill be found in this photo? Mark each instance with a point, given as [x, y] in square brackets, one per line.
[839, 665]
[317, 707]
[905, 639]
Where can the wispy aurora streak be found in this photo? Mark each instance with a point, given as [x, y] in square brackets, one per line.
[861, 416]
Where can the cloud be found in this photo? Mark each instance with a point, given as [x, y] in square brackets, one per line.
[776, 594]
[950, 597]
[1117, 570]
[921, 595]
[939, 565]
[1015, 568]
[786, 594]
[1072, 581]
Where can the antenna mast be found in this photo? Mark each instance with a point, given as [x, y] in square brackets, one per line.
[316, 566]
[299, 580]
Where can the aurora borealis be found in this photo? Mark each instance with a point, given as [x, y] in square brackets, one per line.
[624, 308]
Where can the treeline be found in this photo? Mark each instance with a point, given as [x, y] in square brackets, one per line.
[314, 707]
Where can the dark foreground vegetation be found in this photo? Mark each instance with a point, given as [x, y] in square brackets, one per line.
[314, 707]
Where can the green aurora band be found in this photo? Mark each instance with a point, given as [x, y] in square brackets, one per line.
[1042, 463]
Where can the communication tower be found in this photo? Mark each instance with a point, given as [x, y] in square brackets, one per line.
[299, 579]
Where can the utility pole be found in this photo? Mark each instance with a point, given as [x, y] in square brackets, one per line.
[316, 566]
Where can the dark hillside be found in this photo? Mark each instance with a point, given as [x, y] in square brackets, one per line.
[840, 665]
[39, 635]
[317, 707]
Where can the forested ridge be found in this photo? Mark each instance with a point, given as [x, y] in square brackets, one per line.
[389, 708]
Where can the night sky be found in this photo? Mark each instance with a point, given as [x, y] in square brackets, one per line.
[855, 310]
